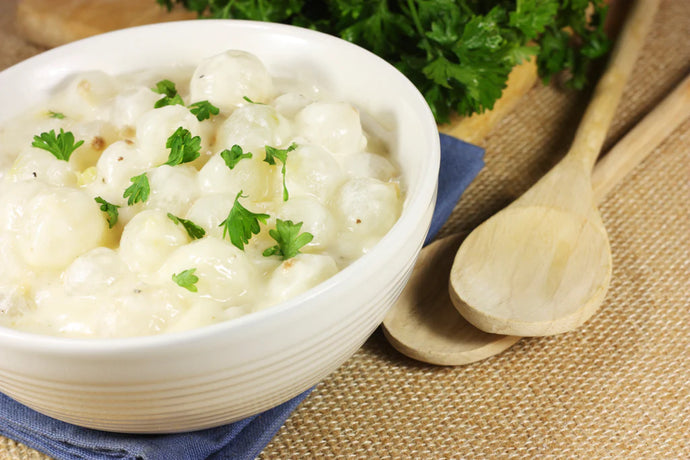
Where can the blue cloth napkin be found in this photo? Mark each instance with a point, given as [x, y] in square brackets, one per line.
[460, 163]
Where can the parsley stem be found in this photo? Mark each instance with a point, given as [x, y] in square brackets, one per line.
[420, 30]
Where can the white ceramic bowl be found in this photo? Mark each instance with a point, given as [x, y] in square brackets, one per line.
[228, 371]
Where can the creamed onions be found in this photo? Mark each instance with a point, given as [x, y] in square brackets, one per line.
[66, 272]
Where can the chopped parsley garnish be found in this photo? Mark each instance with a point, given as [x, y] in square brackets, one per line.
[193, 230]
[282, 154]
[61, 146]
[183, 147]
[186, 279]
[289, 239]
[241, 223]
[57, 115]
[234, 155]
[169, 92]
[139, 190]
[246, 98]
[457, 52]
[110, 210]
[203, 110]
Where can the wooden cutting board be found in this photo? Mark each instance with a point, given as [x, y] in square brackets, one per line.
[52, 23]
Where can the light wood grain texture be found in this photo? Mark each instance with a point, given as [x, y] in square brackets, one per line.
[425, 325]
[645, 137]
[51, 23]
[542, 266]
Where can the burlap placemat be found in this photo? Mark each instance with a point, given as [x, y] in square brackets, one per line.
[616, 388]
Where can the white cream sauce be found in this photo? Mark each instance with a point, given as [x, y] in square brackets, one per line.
[65, 272]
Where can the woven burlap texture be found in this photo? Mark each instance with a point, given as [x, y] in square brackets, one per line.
[616, 388]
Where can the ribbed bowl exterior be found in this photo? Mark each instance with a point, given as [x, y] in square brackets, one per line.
[215, 396]
[225, 372]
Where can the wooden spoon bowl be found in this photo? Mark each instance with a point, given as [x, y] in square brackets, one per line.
[542, 266]
[560, 263]
[424, 325]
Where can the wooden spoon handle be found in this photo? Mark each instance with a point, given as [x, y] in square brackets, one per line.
[591, 133]
[642, 140]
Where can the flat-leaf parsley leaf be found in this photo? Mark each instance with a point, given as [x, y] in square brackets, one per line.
[203, 110]
[282, 154]
[193, 230]
[169, 92]
[183, 147]
[58, 115]
[241, 223]
[457, 52]
[186, 279]
[234, 155]
[61, 146]
[139, 190]
[289, 239]
[110, 210]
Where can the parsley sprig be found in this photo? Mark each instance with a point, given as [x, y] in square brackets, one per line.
[110, 209]
[139, 190]
[170, 95]
[241, 223]
[61, 145]
[194, 231]
[289, 239]
[281, 154]
[186, 279]
[203, 110]
[234, 155]
[58, 115]
[183, 147]
[457, 52]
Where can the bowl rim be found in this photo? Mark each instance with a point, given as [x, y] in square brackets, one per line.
[416, 206]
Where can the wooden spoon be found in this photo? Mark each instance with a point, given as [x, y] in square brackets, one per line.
[542, 265]
[424, 324]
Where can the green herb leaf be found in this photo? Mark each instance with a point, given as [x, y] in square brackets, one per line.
[234, 155]
[194, 231]
[246, 98]
[139, 190]
[561, 50]
[281, 154]
[162, 102]
[183, 147]
[57, 115]
[203, 110]
[186, 279]
[289, 239]
[61, 146]
[532, 16]
[241, 223]
[110, 209]
[169, 92]
[166, 88]
[472, 44]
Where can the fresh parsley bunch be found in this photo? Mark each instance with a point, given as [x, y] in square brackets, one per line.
[457, 52]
